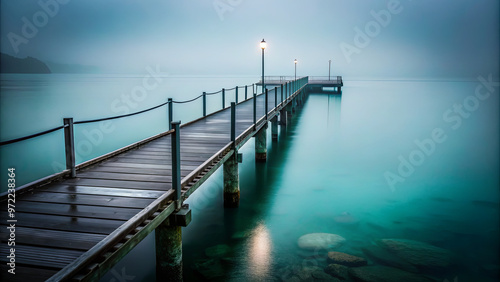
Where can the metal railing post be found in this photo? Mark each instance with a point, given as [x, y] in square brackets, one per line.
[176, 164]
[223, 98]
[233, 124]
[254, 108]
[170, 113]
[275, 96]
[266, 106]
[236, 95]
[69, 145]
[282, 93]
[246, 92]
[204, 104]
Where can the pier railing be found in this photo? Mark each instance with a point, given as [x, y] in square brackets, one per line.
[241, 94]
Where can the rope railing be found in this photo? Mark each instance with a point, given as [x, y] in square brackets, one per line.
[187, 101]
[68, 123]
[31, 136]
[213, 93]
[120, 116]
[2, 143]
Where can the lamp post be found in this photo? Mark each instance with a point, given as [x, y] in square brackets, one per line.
[295, 68]
[263, 45]
[329, 67]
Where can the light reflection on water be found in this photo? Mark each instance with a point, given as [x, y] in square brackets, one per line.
[259, 252]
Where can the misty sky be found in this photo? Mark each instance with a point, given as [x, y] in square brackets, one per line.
[450, 38]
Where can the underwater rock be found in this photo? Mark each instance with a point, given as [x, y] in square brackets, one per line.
[422, 255]
[320, 275]
[345, 259]
[217, 251]
[209, 269]
[316, 241]
[338, 271]
[346, 218]
[382, 256]
[384, 274]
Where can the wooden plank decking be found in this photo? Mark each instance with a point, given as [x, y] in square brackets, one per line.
[81, 224]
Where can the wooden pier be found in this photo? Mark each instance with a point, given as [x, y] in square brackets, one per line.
[77, 224]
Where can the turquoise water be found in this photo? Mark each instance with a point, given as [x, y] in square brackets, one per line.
[33, 103]
[406, 159]
[330, 165]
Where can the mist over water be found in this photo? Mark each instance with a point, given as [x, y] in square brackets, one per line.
[332, 160]
[33, 103]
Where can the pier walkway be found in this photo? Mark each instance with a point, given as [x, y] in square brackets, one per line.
[77, 224]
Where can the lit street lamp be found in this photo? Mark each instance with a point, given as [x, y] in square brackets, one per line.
[263, 45]
[295, 68]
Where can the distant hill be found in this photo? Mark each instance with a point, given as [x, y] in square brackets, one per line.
[72, 68]
[9, 64]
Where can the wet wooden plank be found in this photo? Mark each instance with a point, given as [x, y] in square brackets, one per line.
[119, 184]
[102, 212]
[125, 176]
[39, 256]
[104, 191]
[56, 239]
[139, 170]
[90, 200]
[66, 223]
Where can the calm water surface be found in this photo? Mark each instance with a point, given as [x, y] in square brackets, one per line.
[395, 158]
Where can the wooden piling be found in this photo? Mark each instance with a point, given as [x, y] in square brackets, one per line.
[274, 128]
[168, 238]
[231, 182]
[261, 144]
[283, 116]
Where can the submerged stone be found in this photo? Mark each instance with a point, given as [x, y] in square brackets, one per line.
[382, 256]
[338, 271]
[345, 259]
[385, 274]
[422, 255]
[316, 241]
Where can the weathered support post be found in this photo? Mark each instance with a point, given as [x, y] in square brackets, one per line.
[289, 111]
[261, 144]
[283, 116]
[281, 93]
[274, 128]
[236, 95]
[266, 104]
[204, 104]
[168, 235]
[275, 97]
[168, 238]
[69, 145]
[230, 169]
[170, 113]
[223, 98]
